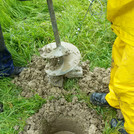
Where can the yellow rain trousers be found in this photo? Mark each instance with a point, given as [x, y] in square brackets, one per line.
[121, 14]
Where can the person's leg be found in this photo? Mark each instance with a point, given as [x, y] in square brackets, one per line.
[2, 43]
[123, 85]
[6, 62]
[101, 98]
[117, 52]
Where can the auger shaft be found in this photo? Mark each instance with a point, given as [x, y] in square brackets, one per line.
[54, 23]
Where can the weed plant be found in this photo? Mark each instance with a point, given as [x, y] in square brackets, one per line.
[27, 27]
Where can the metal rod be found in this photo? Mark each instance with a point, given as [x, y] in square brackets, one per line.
[54, 23]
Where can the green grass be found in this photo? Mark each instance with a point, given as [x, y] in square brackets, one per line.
[26, 27]
[16, 108]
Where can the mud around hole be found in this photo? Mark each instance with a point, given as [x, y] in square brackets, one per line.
[34, 80]
[58, 116]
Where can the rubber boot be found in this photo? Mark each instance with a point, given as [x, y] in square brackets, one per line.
[17, 71]
[122, 131]
[114, 123]
[98, 99]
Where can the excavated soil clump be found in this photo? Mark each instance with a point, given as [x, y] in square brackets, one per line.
[34, 80]
[62, 117]
[59, 116]
[94, 81]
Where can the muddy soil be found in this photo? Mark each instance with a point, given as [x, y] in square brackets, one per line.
[58, 116]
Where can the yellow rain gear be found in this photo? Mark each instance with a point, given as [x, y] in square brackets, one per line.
[121, 14]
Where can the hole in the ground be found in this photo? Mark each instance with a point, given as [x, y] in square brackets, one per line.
[63, 126]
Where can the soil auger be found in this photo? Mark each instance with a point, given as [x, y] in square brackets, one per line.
[63, 58]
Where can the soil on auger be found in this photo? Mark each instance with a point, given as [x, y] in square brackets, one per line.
[34, 80]
[58, 115]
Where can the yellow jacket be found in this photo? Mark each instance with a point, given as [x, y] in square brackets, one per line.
[121, 14]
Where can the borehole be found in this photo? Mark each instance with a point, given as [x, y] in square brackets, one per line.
[64, 132]
[63, 126]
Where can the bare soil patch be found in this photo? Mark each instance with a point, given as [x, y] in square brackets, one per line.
[34, 80]
[94, 81]
[59, 116]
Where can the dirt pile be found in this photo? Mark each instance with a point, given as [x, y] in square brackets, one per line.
[34, 80]
[59, 116]
[96, 81]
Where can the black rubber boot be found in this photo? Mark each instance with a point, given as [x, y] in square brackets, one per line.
[99, 99]
[17, 71]
[114, 123]
[122, 131]
[1, 108]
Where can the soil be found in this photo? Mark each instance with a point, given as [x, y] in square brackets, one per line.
[59, 63]
[59, 116]
[34, 80]
[94, 81]
[64, 132]
[119, 114]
